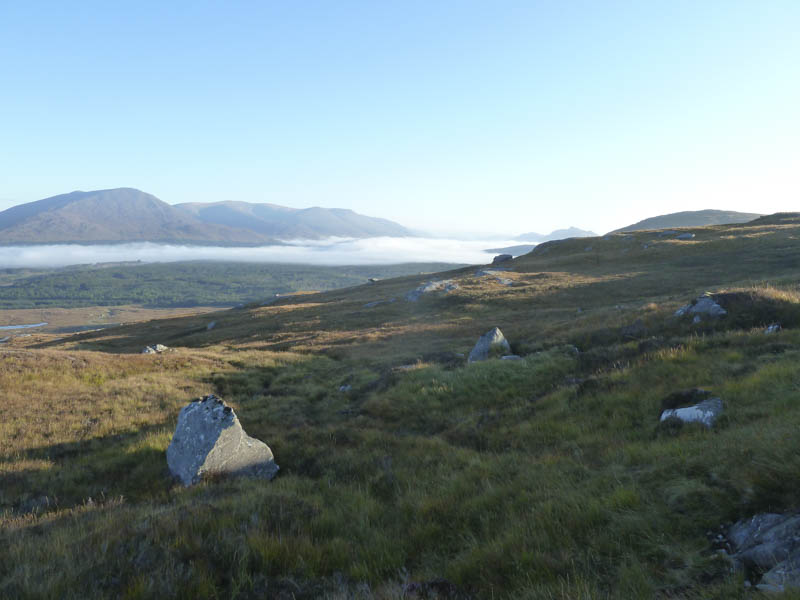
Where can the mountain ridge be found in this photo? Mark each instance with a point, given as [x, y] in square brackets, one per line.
[120, 215]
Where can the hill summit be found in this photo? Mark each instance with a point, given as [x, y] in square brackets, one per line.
[130, 215]
[691, 218]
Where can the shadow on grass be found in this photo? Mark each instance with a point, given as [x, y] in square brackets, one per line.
[128, 465]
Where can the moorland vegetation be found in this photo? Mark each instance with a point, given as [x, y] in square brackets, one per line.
[547, 477]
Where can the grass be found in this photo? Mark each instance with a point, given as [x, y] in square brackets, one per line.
[544, 478]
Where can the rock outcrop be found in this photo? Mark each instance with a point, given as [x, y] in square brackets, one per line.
[492, 340]
[446, 285]
[768, 543]
[155, 349]
[500, 258]
[210, 440]
[704, 306]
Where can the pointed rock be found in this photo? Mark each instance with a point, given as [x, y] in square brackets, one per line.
[493, 338]
[210, 440]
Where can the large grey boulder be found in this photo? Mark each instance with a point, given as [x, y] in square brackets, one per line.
[768, 543]
[493, 338]
[210, 440]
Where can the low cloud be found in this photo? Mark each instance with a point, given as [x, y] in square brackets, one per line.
[334, 251]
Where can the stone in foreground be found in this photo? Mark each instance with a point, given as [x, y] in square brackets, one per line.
[210, 440]
[493, 338]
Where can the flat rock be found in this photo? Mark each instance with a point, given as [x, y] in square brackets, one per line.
[704, 306]
[706, 412]
[493, 338]
[210, 440]
[446, 285]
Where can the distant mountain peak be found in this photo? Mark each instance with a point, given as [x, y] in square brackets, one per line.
[558, 234]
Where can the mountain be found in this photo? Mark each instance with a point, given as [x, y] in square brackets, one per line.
[130, 215]
[292, 223]
[691, 218]
[116, 215]
[558, 234]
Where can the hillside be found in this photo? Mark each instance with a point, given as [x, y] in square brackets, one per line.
[691, 218]
[129, 215]
[405, 472]
[291, 223]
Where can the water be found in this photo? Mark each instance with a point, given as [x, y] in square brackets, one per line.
[7, 327]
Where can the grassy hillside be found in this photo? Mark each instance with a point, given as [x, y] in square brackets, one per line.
[548, 477]
[181, 284]
[691, 218]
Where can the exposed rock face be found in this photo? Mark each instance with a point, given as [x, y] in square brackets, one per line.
[770, 544]
[706, 412]
[491, 339]
[156, 349]
[210, 439]
[501, 258]
[704, 306]
[446, 285]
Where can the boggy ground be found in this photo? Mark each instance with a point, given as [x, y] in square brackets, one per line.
[548, 477]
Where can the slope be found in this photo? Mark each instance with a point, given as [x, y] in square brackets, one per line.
[691, 218]
[546, 477]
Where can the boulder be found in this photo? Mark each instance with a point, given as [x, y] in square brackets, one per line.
[491, 339]
[768, 543]
[704, 306]
[211, 325]
[210, 440]
[501, 258]
[706, 412]
[155, 349]
[774, 328]
[685, 236]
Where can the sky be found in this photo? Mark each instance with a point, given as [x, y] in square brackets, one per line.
[486, 117]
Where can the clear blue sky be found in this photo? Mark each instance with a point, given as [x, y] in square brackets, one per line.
[499, 116]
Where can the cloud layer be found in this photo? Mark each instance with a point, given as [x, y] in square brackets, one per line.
[334, 251]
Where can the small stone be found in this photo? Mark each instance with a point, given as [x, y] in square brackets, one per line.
[345, 388]
[211, 325]
[774, 328]
[510, 357]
